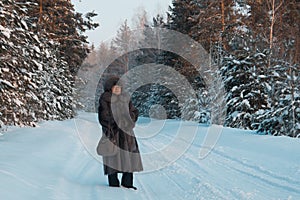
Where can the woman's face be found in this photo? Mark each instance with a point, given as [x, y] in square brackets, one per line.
[116, 89]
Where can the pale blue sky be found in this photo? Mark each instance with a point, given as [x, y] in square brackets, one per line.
[112, 13]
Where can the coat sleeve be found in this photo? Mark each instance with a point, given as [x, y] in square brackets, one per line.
[134, 113]
[104, 113]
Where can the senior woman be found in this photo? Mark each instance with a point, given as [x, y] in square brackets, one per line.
[117, 116]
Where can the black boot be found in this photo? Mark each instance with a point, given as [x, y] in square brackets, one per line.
[113, 180]
[127, 180]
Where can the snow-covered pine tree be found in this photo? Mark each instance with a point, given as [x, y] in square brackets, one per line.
[59, 19]
[152, 94]
[243, 79]
[88, 91]
[180, 20]
[156, 93]
[275, 26]
[35, 79]
[198, 109]
[35, 83]
[123, 44]
[283, 118]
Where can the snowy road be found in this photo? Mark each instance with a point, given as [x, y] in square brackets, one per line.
[57, 161]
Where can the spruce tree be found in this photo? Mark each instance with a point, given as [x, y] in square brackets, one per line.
[283, 118]
[243, 77]
[36, 80]
[59, 19]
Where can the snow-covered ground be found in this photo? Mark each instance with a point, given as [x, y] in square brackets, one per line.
[57, 160]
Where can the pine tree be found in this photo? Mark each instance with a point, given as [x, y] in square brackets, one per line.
[283, 118]
[247, 39]
[275, 26]
[243, 79]
[149, 50]
[36, 82]
[122, 44]
[198, 109]
[60, 21]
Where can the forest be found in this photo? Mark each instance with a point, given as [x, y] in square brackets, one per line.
[255, 45]
[48, 71]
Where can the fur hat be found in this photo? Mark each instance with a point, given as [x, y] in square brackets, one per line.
[110, 82]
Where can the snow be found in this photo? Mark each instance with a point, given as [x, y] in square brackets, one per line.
[246, 103]
[6, 83]
[18, 102]
[39, 65]
[24, 24]
[37, 49]
[5, 31]
[57, 161]
[243, 10]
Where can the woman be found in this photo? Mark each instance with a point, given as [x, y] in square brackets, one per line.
[117, 116]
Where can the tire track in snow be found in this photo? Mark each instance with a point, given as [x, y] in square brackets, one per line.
[146, 193]
[190, 158]
[149, 188]
[256, 170]
[237, 168]
[258, 173]
[19, 179]
[78, 176]
[161, 175]
[169, 183]
[204, 185]
[190, 178]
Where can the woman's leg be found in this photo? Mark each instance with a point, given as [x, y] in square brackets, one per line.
[113, 180]
[127, 180]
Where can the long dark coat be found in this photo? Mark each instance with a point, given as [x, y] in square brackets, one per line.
[117, 116]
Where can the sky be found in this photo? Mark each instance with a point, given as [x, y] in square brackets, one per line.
[113, 13]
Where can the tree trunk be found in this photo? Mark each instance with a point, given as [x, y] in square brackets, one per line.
[41, 11]
[223, 15]
[273, 20]
[223, 23]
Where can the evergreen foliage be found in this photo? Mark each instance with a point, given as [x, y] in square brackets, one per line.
[255, 45]
[283, 118]
[243, 79]
[36, 74]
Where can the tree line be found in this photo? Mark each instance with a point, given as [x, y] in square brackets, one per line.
[255, 45]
